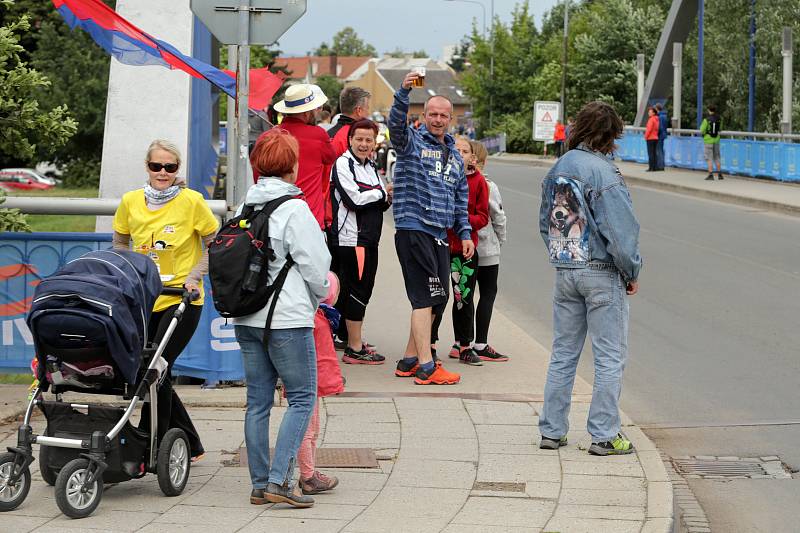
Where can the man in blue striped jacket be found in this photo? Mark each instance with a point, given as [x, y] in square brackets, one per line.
[430, 196]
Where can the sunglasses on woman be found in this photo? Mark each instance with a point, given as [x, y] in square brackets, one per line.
[169, 167]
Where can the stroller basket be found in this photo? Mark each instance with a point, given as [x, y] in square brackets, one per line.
[125, 454]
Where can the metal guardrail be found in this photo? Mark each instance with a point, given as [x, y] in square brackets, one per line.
[724, 133]
[81, 206]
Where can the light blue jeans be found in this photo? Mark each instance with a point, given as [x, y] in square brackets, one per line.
[594, 301]
[292, 357]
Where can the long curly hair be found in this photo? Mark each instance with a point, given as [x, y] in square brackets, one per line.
[597, 126]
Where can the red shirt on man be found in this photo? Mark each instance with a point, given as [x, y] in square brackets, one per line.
[316, 152]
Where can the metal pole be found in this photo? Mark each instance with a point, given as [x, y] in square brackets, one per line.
[786, 122]
[639, 80]
[232, 126]
[751, 78]
[700, 59]
[491, 70]
[677, 62]
[242, 91]
[564, 63]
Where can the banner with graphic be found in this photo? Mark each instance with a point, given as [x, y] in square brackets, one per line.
[26, 258]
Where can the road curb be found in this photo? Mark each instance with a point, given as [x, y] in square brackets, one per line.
[714, 195]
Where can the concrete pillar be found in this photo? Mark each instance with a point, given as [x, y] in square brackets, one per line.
[639, 80]
[786, 118]
[145, 102]
[677, 65]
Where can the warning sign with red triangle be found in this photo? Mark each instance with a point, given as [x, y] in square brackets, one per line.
[546, 117]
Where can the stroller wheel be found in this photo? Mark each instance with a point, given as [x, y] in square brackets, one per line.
[12, 494]
[173, 462]
[74, 496]
[48, 475]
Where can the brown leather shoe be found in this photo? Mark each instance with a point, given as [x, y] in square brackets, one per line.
[317, 483]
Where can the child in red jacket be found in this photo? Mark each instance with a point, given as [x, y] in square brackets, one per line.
[463, 271]
[329, 382]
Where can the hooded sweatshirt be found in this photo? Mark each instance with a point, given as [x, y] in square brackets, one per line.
[292, 230]
[477, 210]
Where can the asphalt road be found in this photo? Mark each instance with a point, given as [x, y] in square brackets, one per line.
[714, 363]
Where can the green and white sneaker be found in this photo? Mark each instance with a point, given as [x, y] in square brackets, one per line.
[552, 444]
[619, 445]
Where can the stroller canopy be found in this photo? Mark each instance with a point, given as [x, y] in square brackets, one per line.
[115, 288]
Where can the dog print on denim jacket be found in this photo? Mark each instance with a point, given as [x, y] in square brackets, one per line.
[568, 231]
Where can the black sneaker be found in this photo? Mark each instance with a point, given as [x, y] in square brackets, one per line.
[285, 494]
[720, 176]
[469, 357]
[710, 177]
[362, 357]
[487, 353]
[552, 444]
[435, 357]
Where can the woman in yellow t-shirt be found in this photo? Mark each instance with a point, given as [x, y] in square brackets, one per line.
[170, 223]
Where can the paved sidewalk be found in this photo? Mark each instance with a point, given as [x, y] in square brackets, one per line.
[446, 464]
[461, 458]
[761, 193]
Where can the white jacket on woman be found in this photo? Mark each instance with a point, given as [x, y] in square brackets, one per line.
[492, 236]
[292, 230]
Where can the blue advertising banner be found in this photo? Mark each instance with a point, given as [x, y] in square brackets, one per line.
[26, 258]
[768, 159]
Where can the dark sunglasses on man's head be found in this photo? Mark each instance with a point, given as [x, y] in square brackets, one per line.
[169, 167]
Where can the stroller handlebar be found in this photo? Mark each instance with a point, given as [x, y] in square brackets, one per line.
[188, 296]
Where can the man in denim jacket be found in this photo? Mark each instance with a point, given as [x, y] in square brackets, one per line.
[430, 196]
[592, 237]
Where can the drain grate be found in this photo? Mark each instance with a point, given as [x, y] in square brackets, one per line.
[498, 486]
[711, 467]
[327, 458]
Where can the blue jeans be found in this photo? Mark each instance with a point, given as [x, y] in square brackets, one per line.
[292, 357]
[594, 301]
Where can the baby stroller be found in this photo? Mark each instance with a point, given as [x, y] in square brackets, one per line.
[89, 325]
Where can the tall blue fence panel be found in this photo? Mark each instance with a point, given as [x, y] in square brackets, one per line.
[770, 159]
[26, 258]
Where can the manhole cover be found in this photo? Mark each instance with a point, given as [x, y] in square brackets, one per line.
[711, 467]
[498, 486]
[329, 458]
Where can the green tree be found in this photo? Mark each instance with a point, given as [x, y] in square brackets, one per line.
[399, 52]
[331, 86]
[24, 124]
[602, 65]
[346, 42]
[460, 60]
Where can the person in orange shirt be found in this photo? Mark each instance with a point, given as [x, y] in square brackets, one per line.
[651, 136]
[559, 136]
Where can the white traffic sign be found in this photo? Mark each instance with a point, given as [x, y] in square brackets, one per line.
[545, 115]
[268, 19]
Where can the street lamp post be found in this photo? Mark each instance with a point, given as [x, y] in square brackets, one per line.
[491, 53]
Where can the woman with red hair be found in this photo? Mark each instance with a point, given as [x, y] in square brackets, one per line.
[290, 354]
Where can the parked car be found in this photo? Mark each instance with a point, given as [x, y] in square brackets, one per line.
[19, 181]
[30, 173]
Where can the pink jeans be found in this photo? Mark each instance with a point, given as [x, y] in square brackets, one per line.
[307, 453]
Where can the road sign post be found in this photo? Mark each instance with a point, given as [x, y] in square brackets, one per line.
[244, 23]
[545, 115]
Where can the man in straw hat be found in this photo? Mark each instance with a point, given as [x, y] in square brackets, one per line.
[300, 106]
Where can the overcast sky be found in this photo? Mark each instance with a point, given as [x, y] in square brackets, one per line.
[387, 24]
